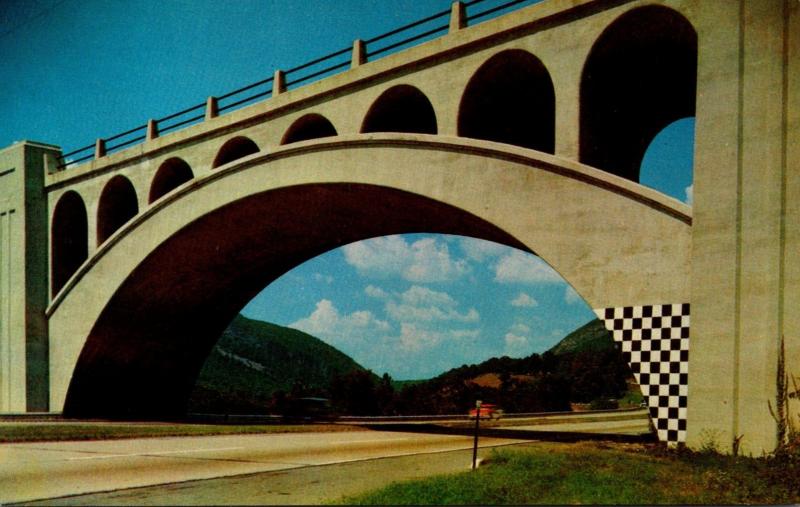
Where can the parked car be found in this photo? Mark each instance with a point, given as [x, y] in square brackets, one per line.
[487, 411]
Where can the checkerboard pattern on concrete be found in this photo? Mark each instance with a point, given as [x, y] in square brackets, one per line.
[655, 342]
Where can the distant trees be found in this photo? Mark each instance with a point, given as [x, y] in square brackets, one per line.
[537, 383]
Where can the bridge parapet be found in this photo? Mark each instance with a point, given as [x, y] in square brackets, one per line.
[442, 72]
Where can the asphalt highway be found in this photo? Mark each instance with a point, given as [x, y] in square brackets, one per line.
[55, 470]
[46, 470]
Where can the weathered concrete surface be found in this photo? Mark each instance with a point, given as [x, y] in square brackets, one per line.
[745, 282]
[23, 278]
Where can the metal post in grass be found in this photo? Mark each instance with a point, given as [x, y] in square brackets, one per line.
[477, 426]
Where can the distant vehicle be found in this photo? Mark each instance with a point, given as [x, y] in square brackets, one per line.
[487, 411]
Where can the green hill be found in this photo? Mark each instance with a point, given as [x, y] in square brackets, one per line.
[254, 359]
[591, 337]
[584, 366]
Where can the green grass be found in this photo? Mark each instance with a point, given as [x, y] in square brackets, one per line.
[587, 473]
[40, 432]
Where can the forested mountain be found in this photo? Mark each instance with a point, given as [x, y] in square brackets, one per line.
[253, 360]
[590, 337]
[257, 366]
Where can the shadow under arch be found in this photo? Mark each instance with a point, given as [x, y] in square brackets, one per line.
[308, 126]
[510, 99]
[234, 149]
[69, 241]
[401, 108]
[118, 204]
[170, 175]
[640, 76]
[193, 284]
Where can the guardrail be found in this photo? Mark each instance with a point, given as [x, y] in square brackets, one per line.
[544, 417]
[359, 53]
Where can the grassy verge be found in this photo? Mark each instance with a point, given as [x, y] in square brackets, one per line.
[39, 432]
[596, 473]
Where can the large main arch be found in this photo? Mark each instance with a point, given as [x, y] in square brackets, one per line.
[132, 328]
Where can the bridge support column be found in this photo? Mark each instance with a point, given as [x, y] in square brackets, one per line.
[746, 272]
[24, 275]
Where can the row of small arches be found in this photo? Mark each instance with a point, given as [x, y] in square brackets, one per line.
[640, 76]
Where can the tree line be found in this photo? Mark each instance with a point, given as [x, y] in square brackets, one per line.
[537, 383]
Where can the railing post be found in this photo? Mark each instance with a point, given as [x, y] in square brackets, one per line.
[278, 83]
[99, 149]
[51, 161]
[212, 109]
[359, 53]
[458, 16]
[152, 130]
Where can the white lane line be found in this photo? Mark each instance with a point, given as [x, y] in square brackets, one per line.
[153, 453]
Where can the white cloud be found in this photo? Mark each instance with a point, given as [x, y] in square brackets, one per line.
[480, 250]
[570, 296]
[521, 267]
[524, 301]
[412, 338]
[323, 278]
[516, 345]
[417, 295]
[327, 323]
[375, 292]
[416, 338]
[420, 304]
[690, 194]
[425, 260]
[520, 328]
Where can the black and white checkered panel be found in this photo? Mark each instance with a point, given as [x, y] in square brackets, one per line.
[655, 342]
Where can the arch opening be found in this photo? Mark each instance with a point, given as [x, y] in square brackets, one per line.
[194, 284]
[401, 108]
[510, 99]
[170, 175]
[69, 239]
[118, 204]
[640, 76]
[234, 149]
[309, 126]
[430, 304]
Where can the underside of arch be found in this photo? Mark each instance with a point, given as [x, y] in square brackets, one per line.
[191, 287]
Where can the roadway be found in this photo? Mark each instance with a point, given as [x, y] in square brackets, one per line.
[49, 470]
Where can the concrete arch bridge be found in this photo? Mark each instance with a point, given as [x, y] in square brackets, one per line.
[527, 130]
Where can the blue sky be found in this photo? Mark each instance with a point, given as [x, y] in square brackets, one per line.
[411, 305]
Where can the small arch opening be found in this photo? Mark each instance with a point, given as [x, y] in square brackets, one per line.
[234, 149]
[118, 204]
[170, 175]
[510, 99]
[69, 239]
[402, 108]
[309, 126]
[640, 76]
